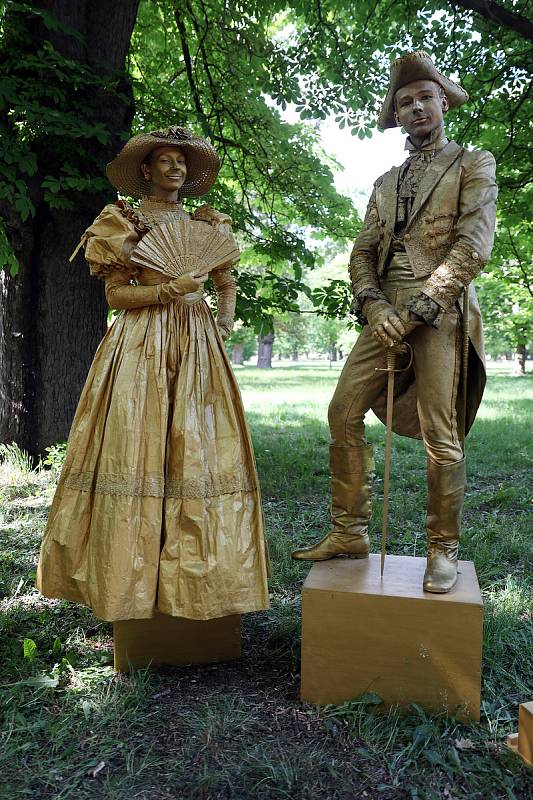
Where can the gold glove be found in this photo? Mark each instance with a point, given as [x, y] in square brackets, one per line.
[226, 298]
[384, 321]
[177, 287]
[121, 294]
[410, 321]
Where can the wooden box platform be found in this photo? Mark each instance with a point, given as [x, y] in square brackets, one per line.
[364, 634]
[174, 640]
[522, 742]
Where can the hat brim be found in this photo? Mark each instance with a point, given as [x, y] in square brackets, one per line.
[416, 67]
[203, 165]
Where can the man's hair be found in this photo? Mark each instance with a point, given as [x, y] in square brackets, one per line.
[442, 93]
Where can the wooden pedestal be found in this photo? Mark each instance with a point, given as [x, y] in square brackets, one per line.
[522, 742]
[361, 633]
[174, 640]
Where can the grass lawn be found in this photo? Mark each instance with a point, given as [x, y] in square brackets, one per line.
[73, 729]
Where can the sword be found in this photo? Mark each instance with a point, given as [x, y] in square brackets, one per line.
[391, 370]
[466, 337]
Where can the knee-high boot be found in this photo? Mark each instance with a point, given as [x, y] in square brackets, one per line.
[351, 488]
[446, 489]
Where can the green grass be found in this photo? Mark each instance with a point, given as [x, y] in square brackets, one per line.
[238, 731]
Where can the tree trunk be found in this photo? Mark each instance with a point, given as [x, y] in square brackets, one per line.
[295, 355]
[237, 354]
[264, 351]
[333, 354]
[521, 359]
[52, 314]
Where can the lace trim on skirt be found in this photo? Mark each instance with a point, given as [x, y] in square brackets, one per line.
[156, 485]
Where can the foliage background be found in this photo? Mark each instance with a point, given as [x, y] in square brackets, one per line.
[229, 70]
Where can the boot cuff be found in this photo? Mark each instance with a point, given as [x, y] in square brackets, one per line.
[351, 460]
[446, 479]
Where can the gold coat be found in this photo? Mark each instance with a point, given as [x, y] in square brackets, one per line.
[448, 239]
[158, 504]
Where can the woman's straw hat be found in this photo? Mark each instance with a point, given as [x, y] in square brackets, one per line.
[416, 66]
[203, 164]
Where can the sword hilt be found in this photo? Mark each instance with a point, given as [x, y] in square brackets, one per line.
[391, 353]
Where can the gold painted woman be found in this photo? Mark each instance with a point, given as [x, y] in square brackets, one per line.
[158, 505]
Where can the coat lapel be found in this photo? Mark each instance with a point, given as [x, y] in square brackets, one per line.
[440, 164]
[389, 198]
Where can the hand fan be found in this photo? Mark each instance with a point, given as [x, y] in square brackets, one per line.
[182, 246]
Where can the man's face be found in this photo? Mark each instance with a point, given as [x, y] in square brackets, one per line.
[419, 108]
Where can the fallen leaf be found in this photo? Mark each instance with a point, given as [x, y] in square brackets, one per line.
[99, 767]
[464, 744]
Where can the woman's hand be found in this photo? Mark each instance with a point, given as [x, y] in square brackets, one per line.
[184, 284]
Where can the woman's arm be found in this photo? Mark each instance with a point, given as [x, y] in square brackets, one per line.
[121, 294]
[226, 290]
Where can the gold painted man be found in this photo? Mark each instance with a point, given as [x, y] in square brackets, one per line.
[428, 230]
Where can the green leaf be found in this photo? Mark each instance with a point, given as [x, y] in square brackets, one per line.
[30, 650]
[56, 647]
[40, 682]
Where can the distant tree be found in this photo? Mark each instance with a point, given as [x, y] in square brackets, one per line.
[265, 344]
[326, 335]
[508, 314]
[292, 334]
[242, 344]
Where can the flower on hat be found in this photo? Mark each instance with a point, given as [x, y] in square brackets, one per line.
[174, 132]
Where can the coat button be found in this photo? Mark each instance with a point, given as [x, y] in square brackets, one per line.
[430, 219]
[475, 255]
[407, 237]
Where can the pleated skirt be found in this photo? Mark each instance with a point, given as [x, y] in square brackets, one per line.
[158, 504]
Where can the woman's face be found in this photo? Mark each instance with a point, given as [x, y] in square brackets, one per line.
[166, 170]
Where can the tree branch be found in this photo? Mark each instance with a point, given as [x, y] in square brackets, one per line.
[496, 13]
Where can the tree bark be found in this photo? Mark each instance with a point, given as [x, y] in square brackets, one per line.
[295, 355]
[497, 14]
[521, 359]
[52, 314]
[237, 354]
[264, 351]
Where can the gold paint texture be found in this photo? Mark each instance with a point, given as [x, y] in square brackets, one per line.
[158, 505]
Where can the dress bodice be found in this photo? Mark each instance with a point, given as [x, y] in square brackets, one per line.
[160, 212]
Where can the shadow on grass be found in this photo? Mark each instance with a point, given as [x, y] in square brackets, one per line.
[237, 731]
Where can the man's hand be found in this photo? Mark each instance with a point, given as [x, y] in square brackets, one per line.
[385, 322]
[410, 321]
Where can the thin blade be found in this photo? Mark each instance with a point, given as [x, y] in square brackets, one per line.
[386, 472]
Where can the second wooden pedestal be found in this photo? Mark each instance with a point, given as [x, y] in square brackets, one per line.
[361, 633]
[174, 640]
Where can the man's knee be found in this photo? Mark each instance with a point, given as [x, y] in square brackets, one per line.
[442, 450]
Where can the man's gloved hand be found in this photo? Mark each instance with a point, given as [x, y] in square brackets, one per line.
[385, 322]
[410, 321]
[177, 287]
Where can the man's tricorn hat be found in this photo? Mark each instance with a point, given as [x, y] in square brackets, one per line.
[203, 164]
[416, 66]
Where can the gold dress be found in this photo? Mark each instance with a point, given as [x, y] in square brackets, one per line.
[158, 504]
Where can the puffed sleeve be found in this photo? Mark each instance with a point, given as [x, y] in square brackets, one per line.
[109, 242]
